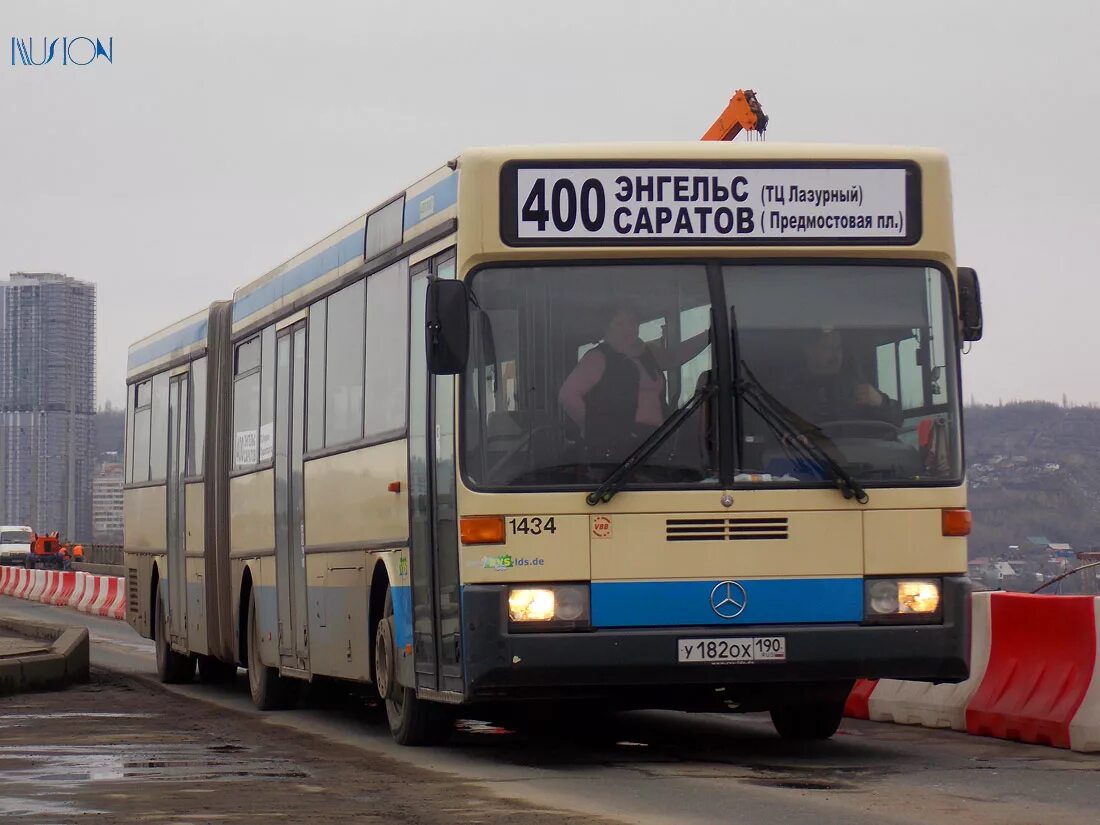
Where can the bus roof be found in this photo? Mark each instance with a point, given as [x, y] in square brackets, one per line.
[175, 341]
[432, 203]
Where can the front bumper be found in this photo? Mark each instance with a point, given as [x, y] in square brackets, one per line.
[504, 665]
[15, 559]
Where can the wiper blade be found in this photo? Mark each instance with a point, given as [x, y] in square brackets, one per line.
[618, 477]
[802, 435]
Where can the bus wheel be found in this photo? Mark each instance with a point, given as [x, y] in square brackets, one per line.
[813, 719]
[269, 690]
[412, 721]
[172, 668]
[216, 672]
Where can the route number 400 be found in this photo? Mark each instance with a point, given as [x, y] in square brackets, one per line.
[531, 526]
[566, 203]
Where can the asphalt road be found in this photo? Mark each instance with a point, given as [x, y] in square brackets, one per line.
[664, 768]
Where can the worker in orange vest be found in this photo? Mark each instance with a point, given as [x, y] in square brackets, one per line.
[78, 552]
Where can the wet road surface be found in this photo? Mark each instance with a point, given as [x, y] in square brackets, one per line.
[659, 767]
[69, 754]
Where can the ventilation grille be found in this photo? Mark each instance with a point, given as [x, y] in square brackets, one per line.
[132, 590]
[725, 529]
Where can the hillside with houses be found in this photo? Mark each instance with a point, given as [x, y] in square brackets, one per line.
[1034, 472]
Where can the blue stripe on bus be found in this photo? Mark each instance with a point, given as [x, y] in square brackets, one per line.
[298, 276]
[179, 339]
[402, 616]
[770, 601]
[445, 193]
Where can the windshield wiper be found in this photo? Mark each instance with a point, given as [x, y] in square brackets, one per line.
[797, 432]
[618, 477]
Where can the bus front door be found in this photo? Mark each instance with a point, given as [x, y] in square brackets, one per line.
[176, 512]
[433, 515]
[290, 560]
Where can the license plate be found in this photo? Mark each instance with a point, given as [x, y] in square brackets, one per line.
[739, 651]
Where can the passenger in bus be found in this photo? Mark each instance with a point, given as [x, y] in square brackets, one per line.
[616, 393]
[824, 387]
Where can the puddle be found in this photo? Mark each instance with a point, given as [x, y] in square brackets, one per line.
[22, 716]
[801, 784]
[21, 806]
[479, 727]
[164, 763]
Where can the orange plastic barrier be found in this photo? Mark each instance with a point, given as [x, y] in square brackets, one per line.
[857, 705]
[1041, 662]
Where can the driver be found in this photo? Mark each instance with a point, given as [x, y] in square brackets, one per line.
[822, 389]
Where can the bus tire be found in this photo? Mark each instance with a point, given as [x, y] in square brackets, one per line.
[808, 720]
[412, 721]
[214, 671]
[172, 668]
[269, 690]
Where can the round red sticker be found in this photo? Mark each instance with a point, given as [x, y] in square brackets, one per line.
[601, 527]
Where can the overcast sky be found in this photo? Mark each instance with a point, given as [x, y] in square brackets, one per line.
[227, 136]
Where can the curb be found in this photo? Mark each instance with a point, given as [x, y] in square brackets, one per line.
[66, 663]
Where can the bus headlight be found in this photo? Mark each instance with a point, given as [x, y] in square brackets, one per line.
[548, 607]
[902, 600]
[531, 604]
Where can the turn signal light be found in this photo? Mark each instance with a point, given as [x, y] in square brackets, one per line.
[482, 529]
[957, 522]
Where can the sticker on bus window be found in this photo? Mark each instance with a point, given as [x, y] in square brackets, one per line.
[244, 448]
[756, 203]
[267, 442]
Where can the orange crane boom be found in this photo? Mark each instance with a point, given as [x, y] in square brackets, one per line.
[743, 113]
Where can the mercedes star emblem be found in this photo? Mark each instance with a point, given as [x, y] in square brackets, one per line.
[728, 599]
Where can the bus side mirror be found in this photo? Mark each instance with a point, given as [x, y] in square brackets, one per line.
[970, 304]
[447, 327]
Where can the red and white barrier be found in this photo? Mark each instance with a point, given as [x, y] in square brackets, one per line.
[38, 584]
[1084, 728]
[117, 608]
[24, 592]
[1041, 662]
[65, 590]
[86, 592]
[937, 705]
[78, 589]
[110, 593]
[92, 587]
[857, 706]
[22, 581]
[1035, 676]
[53, 581]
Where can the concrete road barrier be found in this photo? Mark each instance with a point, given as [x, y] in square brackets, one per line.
[64, 660]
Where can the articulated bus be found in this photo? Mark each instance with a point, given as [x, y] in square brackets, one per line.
[599, 426]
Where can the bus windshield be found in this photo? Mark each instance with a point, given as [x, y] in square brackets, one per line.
[15, 536]
[573, 366]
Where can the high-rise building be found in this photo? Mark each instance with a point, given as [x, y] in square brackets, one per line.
[47, 402]
[107, 504]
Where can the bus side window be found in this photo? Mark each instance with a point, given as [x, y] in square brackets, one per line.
[246, 404]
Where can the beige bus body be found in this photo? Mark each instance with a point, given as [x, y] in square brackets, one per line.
[356, 533]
